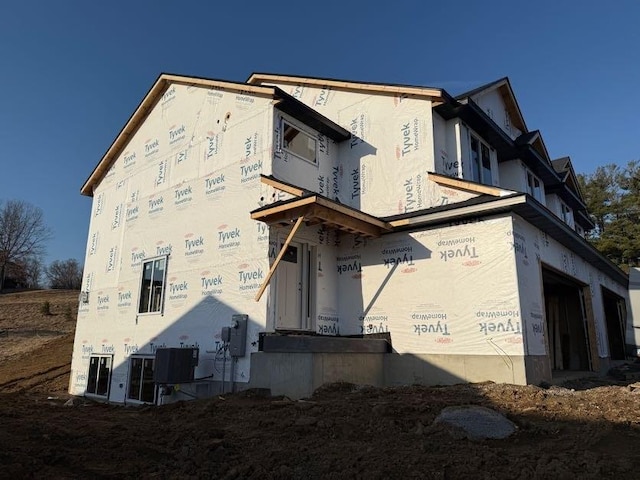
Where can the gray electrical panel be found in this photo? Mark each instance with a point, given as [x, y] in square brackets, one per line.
[238, 341]
[175, 365]
[225, 335]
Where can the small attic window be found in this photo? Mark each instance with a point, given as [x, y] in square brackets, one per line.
[299, 143]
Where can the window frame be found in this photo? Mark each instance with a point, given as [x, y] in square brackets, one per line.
[102, 393]
[283, 124]
[531, 187]
[139, 395]
[566, 213]
[160, 309]
[478, 169]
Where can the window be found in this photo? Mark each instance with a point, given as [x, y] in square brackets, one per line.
[507, 121]
[99, 375]
[299, 143]
[567, 214]
[141, 385]
[152, 285]
[534, 186]
[480, 161]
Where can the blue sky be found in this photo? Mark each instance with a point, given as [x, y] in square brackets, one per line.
[74, 71]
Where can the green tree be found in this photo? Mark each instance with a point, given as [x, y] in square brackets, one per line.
[612, 195]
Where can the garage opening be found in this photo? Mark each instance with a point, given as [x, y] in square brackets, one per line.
[567, 322]
[615, 315]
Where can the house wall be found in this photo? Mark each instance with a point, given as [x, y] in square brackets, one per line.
[323, 177]
[493, 105]
[382, 168]
[633, 311]
[552, 201]
[512, 176]
[465, 155]
[447, 146]
[533, 246]
[446, 290]
[448, 296]
[183, 186]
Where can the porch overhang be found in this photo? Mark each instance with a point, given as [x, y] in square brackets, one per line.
[315, 209]
[312, 209]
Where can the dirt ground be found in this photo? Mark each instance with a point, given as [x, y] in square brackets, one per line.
[585, 429]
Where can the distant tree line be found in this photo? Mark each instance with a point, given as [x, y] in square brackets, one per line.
[612, 195]
[23, 237]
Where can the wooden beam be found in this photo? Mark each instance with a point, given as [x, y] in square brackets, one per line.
[434, 93]
[298, 192]
[353, 213]
[591, 329]
[278, 258]
[288, 208]
[233, 86]
[464, 185]
[351, 224]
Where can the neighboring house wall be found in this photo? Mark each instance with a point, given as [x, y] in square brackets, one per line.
[182, 187]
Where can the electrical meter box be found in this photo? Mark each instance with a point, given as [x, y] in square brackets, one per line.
[238, 340]
[175, 365]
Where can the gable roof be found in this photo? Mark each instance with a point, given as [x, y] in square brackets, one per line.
[285, 103]
[534, 139]
[503, 86]
[436, 94]
[564, 167]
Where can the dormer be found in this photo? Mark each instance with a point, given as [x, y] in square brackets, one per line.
[565, 198]
[498, 101]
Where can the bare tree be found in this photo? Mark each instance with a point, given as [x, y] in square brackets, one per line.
[23, 234]
[64, 274]
[33, 272]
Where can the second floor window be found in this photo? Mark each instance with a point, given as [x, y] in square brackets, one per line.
[152, 285]
[480, 161]
[567, 214]
[534, 186]
[299, 143]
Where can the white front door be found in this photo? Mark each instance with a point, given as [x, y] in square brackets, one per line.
[291, 288]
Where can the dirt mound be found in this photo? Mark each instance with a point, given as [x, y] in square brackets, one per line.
[24, 326]
[590, 430]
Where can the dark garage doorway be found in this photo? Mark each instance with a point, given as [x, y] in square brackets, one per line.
[615, 314]
[568, 333]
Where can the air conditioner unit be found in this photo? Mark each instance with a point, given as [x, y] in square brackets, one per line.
[175, 365]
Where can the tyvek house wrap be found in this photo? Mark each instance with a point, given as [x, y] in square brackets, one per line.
[183, 187]
[532, 245]
[446, 290]
[382, 167]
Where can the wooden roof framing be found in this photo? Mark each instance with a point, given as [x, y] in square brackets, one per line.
[435, 94]
[467, 186]
[318, 210]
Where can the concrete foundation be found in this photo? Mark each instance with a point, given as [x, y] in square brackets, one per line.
[298, 375]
